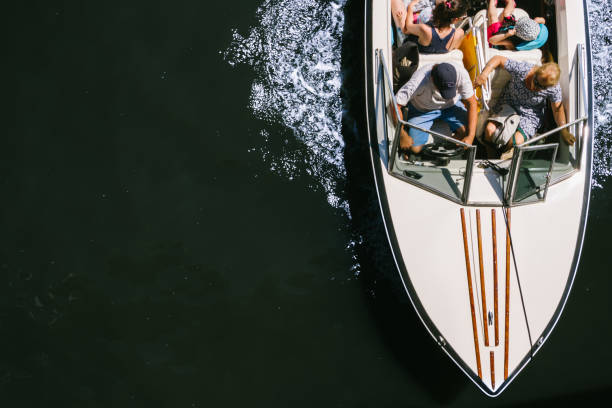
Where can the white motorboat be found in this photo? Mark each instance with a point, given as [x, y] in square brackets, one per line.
[487, 249]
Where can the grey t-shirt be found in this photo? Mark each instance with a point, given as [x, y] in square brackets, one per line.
[421, 92]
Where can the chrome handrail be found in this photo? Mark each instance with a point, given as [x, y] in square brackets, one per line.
[581, 99]
[481, 59]
[581, 77]
[555, 130]
[469, 21]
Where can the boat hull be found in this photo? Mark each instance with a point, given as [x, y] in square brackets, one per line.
[488, 284]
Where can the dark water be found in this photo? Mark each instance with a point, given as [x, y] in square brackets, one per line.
[187, 224]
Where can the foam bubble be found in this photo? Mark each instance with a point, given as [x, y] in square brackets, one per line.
[600, 16]
[295, 52]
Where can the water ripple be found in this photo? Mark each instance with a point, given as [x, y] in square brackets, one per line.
[294, 51]
[600, 16]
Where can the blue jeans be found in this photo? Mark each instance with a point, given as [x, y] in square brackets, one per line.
[455, 116]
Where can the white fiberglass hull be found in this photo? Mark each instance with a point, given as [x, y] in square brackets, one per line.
[489, 316]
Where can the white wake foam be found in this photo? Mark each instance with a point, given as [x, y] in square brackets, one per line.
[295, 52]
[600, 19]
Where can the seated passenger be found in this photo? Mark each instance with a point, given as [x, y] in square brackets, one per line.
[422, 13]
[505, 32]
[432, 93]
[532, 34]
[526, 93]
[501, 27]
[437, 36]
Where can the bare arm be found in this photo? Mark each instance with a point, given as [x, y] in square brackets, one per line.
[472, 107]
[498, 39]
[409, 23]
[398, 11]
[457, 38]
[540, 20]
[395, 112]
[406, 141]
[493, 63]
[420, 30]
[559, 114]
[404, 94]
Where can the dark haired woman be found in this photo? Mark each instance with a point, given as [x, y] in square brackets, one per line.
[438, 36]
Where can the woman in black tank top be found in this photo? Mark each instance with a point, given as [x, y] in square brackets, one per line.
[439, 36]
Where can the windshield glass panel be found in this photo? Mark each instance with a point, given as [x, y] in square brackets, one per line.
[531, 173]
[443, 166]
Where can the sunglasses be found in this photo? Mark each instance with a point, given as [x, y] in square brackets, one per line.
[537, 83]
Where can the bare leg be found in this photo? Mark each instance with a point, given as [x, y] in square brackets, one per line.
[490, 131]
[492, 12]
[488, 137]
[407, 143]
[518, 138]
[508, 10]
[417, 149]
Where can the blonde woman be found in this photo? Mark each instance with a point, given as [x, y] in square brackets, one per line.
[528, 91]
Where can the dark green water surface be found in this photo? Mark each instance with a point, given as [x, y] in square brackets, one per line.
[147, 259]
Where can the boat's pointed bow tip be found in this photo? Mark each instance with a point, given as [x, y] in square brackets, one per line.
[492, 392]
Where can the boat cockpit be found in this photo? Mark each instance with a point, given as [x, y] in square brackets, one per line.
[468, 174]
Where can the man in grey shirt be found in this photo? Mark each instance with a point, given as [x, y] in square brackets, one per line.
[433, 93]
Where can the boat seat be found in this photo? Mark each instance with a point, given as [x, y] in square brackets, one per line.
[432, 59]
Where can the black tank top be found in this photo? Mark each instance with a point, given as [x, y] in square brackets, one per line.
[437, 45]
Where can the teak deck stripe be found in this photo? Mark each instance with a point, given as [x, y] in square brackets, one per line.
[495, 282]
[492, 370]
[469, 278]
[507, 334]
[482, 282]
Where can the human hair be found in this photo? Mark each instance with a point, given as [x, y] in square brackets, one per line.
[447, 10]
[549, 73]
[508, 22]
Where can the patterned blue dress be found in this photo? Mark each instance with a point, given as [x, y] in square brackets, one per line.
[528, 104]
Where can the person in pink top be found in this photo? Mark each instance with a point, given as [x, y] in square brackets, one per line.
[502, 31]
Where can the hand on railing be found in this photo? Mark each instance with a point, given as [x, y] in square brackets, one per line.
[395, 110]
[405, 141]
[480, 80]
[567, 136]
[469, 140]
